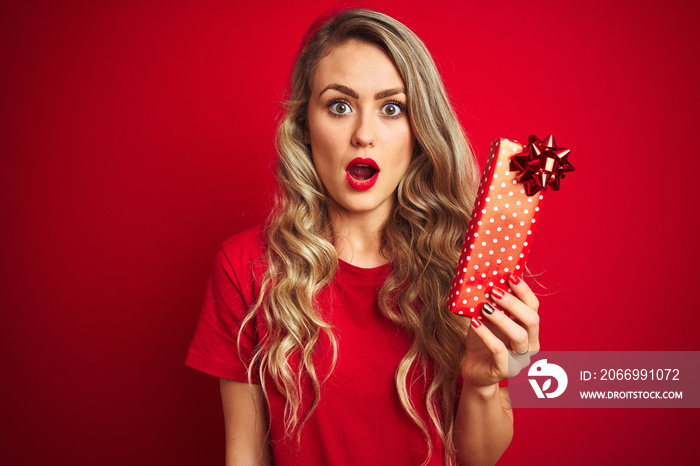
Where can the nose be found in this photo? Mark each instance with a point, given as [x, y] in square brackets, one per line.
[364, 135]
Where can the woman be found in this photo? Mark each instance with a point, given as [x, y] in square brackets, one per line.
[328, 326]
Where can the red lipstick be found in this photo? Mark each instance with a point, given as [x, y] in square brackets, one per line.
[362, 173]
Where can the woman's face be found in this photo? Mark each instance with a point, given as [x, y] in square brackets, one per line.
[361, 140]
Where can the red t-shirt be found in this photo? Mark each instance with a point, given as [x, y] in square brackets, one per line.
[359, 420]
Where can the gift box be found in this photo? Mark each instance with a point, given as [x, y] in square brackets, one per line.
[512, 189]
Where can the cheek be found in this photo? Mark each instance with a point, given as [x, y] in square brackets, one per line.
[318, 136]
[326, 150]
[322, 157]
[320, 154]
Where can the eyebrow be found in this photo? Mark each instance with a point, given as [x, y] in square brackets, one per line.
[347, 91]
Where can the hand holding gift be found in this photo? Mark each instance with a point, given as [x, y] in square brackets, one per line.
[488, 360]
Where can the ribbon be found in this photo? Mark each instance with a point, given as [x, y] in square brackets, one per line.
[543, 164]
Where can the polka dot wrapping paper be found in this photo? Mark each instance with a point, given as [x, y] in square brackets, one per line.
[502, 225]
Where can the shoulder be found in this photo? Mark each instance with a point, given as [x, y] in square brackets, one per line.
[241, 258]
[245, 247]
[232, 290]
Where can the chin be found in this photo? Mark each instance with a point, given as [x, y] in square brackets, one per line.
[364, 206]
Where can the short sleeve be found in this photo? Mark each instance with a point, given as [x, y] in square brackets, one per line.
[230, 294]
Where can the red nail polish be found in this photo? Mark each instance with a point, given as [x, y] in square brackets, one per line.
[497, 292]
[514, 279]
[475, 322]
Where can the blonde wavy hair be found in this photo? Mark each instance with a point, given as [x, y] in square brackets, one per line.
[422, 239]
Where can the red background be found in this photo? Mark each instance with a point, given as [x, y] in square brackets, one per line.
[135, 136]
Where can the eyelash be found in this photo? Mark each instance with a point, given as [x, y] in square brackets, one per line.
[396, 103]
[335, 102]
[400, 105]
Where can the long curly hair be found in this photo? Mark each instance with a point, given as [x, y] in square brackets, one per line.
[422, 238]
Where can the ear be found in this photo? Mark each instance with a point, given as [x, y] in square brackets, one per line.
[307, 137]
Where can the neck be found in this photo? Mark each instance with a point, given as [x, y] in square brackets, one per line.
[357, 237]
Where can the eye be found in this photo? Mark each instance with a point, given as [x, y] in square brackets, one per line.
[393, 109]
[339, 107]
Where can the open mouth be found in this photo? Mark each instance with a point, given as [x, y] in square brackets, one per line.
[362, 173]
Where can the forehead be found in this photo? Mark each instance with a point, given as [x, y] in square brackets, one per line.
[358, 65]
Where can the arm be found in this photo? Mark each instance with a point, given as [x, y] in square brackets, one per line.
[484, 420]
[483, 425]
[245, 417]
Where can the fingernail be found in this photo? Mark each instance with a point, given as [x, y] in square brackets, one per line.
[497, 292]
[475, 322]
[514, 279]
[489, 309]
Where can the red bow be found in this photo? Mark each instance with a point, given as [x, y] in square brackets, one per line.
[542, 164]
